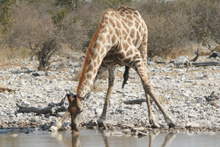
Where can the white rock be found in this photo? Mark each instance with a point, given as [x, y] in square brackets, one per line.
[2, 95]
[192, 124]
[98, 111]
[25, 104]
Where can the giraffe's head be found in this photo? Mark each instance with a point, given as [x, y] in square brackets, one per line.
[75, 108]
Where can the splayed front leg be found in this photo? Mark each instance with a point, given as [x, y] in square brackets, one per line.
[140, 68]
[149, 91]
[111, 79]
[151, 116]
[102, 118]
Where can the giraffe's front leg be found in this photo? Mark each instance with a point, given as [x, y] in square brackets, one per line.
[148, 89]
[102, 118]
[140, 68]
[151, 116]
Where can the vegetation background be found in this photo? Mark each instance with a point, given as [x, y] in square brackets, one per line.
[45, 27]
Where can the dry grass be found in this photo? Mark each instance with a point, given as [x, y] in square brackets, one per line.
[100, 87]
[77, 75]
[188, 50]
[217, 48]
[179, 51]
[9, 55]
[163, 100]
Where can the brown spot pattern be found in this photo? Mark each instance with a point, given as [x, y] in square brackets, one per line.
[118, 24]
[125, 45]
[132, 33]
[108, 38]
[113, 39]
[112, 22]
[129, 52]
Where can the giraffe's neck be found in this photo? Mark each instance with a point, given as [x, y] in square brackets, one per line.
[98, 53]
[94, 56]
[90, 74]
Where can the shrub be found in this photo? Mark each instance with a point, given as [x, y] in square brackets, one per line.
[6, 10]
[33, 29]
[168, 27]
[174, 24]
[47, 49]
[171, 24]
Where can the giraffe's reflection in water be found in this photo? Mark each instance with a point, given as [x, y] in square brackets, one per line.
[105, 139]
[168, 138]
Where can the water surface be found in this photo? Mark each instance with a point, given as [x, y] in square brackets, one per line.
[94, 138]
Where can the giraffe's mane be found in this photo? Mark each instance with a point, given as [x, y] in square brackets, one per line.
[88, 54]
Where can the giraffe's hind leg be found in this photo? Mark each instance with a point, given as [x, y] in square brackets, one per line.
[110, 87]
[140, 68]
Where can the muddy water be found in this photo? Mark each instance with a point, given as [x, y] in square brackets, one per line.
[93, 138]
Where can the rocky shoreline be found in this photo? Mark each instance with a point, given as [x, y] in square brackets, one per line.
[182, 92]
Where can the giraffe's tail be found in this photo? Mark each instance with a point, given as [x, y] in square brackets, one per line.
[126, 76]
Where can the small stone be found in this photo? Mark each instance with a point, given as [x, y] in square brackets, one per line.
[119, 110]
[25, 104]
[141, 134]
[192, 124]
[117, 134]
[126, 131]
[98, 111]
[2, 95]
[38, 73]
[58, 89]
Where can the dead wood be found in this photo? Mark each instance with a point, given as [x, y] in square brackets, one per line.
[206, 63]
[196, 57]
[52, 108]
[132, 102]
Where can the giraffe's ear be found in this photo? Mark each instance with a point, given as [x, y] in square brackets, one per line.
[70, 97]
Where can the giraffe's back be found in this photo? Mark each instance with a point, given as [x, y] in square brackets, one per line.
[126, 28]
[126, 24]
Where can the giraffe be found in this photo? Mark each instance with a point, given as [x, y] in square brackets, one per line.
[121, 39]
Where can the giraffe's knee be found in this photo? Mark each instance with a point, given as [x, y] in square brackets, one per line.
[148, 88]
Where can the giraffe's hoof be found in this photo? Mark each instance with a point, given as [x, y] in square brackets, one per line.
[171, 125]
[170, 122]
[153, 124]
[101, 123]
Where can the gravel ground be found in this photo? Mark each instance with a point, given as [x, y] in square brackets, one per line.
[181, 91]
